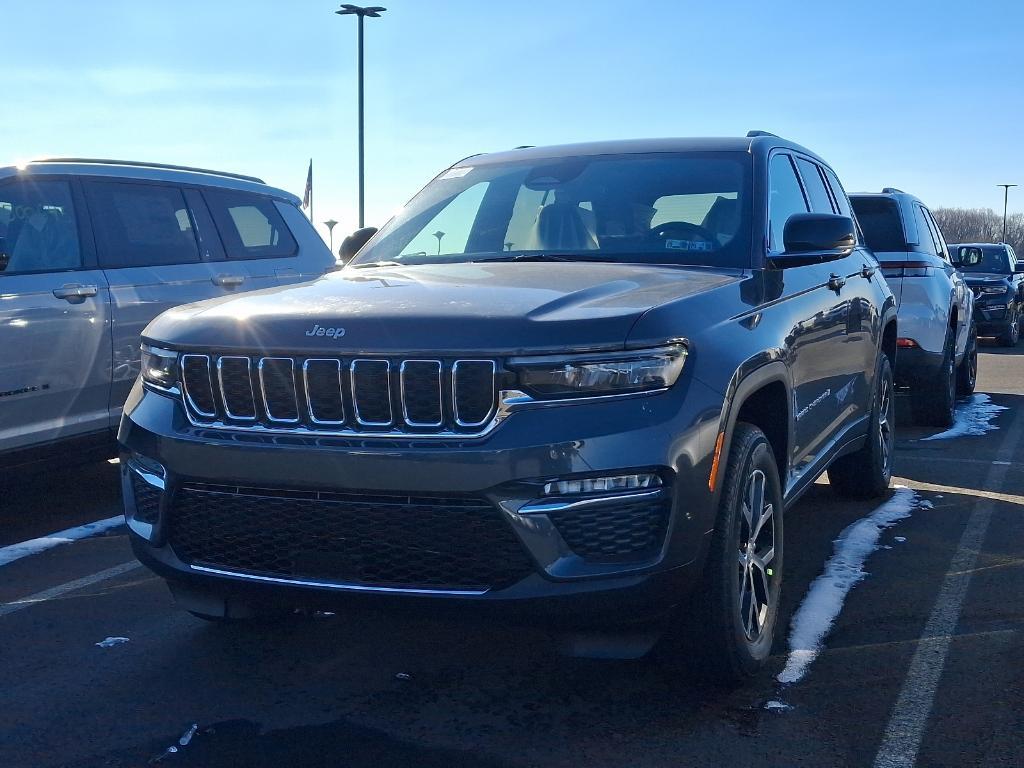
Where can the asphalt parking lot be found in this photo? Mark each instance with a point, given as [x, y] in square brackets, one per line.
[923, 664]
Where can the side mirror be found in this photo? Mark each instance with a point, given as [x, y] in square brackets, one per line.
[350, 245]
[1019, 268]
[813, 233]
[967, 256]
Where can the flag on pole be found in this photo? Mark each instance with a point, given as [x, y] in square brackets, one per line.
[307, 197]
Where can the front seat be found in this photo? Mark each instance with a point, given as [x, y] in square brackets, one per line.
[560, 227]
[722, 219]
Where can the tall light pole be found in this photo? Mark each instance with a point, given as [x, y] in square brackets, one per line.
[1006, 197]
[331, 224]
[373, 11]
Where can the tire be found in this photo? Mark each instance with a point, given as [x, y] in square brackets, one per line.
[934, 403]
[1011, 335]
[967, 371]
[866, 473]
[731, 620]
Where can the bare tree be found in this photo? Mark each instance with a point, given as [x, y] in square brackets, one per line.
[980, 225]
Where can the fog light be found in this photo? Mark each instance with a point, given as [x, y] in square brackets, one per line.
[602, 484]
[148, 465]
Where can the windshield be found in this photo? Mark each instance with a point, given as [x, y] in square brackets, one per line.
[992, 259]
[665, 208]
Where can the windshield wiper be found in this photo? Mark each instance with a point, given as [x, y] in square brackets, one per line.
[544, 257]
[377, 264]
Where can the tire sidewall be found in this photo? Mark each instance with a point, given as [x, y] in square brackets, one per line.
[882, 474]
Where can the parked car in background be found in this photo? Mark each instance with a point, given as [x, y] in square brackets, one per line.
[938, 346]
[90, 252]
[579, 383]
[995, 276]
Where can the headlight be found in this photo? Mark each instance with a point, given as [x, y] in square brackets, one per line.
[600, 374]
[159, 367]
[994, 289]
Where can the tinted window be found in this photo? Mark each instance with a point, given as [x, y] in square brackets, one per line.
[940, 241]
[138, 225]
[38, 230]
[785, 199]
[879, 218]
[820, 201]
[250, 225]
[925, 238]
[667, 208]
[838, 193]
[993, 259]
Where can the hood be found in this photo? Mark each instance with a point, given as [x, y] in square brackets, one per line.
[500, 309]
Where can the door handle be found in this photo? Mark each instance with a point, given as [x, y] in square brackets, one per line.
[228, 281]
[867, 272]
[836, 282]
[71, 292]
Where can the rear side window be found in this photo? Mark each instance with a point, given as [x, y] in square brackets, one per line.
[785, 199]
[820, 201]
[838, 193]
[38, 230]
[250, 225]
[925, 237]
[141, 225]
[879, 218]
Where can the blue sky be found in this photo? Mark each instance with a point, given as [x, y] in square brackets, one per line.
[926, 96]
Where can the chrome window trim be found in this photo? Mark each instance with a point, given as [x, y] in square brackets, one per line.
[455, 389]
[355, 397]
[305, 387]
[220, 382]
[342, 586]
[184, 388]
[440, 393]
[263, 390]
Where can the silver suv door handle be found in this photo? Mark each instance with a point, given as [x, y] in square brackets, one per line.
[71, 292]
[867, 271]
[836, 282]
[228, 281]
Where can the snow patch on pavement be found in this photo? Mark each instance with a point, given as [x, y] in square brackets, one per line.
[973, 417]
[14, 552]
[827, 593]
[110, 642]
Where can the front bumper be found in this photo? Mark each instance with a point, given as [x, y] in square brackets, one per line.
[671, 433]
[993, 320]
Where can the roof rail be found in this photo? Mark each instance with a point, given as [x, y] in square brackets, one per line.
[892, 191]
[525, 146]
[137, 164]
[755, 134]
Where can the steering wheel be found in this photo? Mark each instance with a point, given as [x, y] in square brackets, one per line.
[682, 230]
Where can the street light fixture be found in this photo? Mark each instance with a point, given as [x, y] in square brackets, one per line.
[331, 224]
[373, 11]
[1006, 197]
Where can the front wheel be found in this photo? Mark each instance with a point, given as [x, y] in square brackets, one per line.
[736, 606]
[866, 473]
[1011, 335]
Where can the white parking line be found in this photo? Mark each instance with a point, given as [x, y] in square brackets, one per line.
[71, 586]
[14, 552]
[903, 734]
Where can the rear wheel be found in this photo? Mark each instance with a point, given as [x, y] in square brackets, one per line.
[934, 403]
[1011, 335]
[732, 619]
[967, 372]
[866, 473]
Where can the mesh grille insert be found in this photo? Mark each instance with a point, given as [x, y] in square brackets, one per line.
[627, 531]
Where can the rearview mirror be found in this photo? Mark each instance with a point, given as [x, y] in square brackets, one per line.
[350, 245]
[808, 233]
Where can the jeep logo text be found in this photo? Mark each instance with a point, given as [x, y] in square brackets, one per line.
[319, 330]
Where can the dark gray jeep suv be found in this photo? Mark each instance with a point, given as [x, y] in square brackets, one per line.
[576, 383]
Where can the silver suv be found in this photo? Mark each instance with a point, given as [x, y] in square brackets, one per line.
[937, 357]
[90, 252]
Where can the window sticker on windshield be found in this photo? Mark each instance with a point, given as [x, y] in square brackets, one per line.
[456, 173]
[688, 245]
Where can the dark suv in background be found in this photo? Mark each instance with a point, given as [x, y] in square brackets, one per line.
[995, 276]
[578, 383]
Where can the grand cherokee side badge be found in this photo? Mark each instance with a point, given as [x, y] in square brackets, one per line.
[319, 330]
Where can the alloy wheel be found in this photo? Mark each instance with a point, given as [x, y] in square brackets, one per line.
[886, 435]
[756, 553]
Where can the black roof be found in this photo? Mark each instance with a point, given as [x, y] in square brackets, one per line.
[752, 144]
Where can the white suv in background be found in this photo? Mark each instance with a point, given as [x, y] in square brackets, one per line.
[937, 356]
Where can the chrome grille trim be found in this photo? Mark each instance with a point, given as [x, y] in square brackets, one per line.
[309, 400]
[440, 394]
[184, 387]
[355, 396]
[223, 396]
[455, 391]
[263, 389]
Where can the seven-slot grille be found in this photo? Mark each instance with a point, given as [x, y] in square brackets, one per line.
[360, 394]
